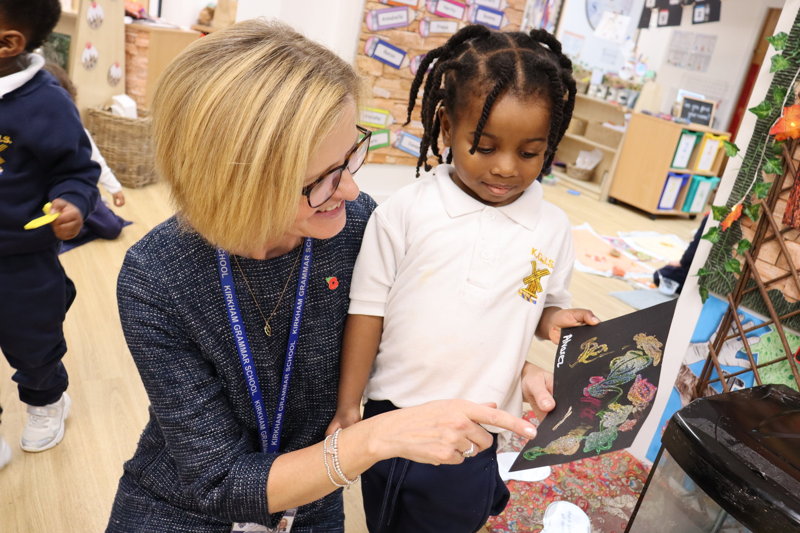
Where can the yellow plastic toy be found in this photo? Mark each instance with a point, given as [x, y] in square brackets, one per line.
[46, 219]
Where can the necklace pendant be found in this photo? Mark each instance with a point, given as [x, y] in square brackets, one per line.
[267, 329]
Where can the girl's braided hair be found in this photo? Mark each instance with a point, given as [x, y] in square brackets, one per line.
[477, 61]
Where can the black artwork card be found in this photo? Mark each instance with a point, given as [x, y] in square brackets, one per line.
[604, 383]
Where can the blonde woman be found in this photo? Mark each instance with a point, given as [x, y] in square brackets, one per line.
[234, 309]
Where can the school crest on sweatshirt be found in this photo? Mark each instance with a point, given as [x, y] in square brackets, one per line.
[5, 141]
[541, 266]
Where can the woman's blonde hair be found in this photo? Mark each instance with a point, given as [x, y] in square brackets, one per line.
[236, 117]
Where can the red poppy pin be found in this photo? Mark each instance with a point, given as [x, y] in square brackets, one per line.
[333, 283]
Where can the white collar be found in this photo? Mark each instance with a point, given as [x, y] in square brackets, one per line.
[525, 210]
[14, 81]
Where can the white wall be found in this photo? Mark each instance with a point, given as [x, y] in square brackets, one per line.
[334, 23]
[739, 27]
[689, 304]
[182, 12]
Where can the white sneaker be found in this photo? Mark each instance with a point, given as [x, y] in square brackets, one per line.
[5, 453]
[45, 427]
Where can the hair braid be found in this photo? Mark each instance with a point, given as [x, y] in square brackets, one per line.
[505, 73]
[478, 61]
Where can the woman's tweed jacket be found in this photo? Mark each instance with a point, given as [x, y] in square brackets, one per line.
[198, 466]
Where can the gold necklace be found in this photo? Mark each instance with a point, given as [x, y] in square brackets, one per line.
[267, 328]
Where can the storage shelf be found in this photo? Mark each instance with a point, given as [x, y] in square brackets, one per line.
[581, 138]
[591, 188]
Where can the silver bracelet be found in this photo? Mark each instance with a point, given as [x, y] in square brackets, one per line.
[325, 461]
[336, 465]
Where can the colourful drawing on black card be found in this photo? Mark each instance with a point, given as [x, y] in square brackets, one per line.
[605, 380]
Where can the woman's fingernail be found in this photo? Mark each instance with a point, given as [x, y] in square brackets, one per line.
[531, 431]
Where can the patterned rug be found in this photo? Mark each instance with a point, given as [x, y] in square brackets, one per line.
[605, 488]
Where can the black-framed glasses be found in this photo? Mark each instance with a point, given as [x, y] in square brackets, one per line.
[323, 188]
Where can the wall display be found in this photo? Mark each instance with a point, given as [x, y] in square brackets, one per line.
[409, 3]
[494, 4]
[115, 74]
[380, 139]
[491, 18]
[691, 51]
[95, 15]
[429, 26]
[706, 11]
[389, 55]
[595, 9]
[670, 16]
[541, 14]
[446, 8]
[604, 382]
[89, 56]
[390, 17]
[89, 43]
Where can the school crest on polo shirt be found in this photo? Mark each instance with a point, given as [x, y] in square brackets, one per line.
[541, 266]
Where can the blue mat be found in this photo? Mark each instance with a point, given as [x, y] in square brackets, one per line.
[642, 298]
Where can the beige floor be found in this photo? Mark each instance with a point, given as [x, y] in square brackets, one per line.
[70, 488]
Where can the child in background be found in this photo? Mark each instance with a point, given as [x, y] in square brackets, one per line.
[102, 222]
[45, 156]
[459, 271]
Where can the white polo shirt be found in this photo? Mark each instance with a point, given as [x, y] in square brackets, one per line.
[461, 286]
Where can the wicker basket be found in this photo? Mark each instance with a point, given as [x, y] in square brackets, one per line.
[126, 145]
[582, 174]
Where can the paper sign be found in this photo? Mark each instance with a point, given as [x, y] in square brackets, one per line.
[409, 3]
[391, 17]
[407, 143]
[429, 26]
[384, 52]
[494, 4]
[447, 8]
[489, 17]
[708, 154]
[379, 139]
[605, 379]
[672, 187]
[701, 196]
[684, 151]
[375, 117]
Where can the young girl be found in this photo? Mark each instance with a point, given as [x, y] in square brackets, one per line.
[459, 271]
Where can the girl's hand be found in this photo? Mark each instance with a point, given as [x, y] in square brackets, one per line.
[568, 318]
[344, 418]
[440, 432]
[537, 389]
[119, 198]
[69, 223]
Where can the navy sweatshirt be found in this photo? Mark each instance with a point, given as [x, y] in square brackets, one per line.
[44, 154]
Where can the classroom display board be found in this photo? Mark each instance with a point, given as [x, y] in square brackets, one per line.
[395, 35]
[89, 43]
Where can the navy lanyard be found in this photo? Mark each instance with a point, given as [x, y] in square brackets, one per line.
[270, 441]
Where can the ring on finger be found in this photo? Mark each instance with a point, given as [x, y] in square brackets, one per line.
[470, 452]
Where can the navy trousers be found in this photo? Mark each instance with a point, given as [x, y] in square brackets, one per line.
[402, 496]
[35, 294]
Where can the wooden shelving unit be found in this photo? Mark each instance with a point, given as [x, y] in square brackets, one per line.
[590, 110]
[645, 158]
